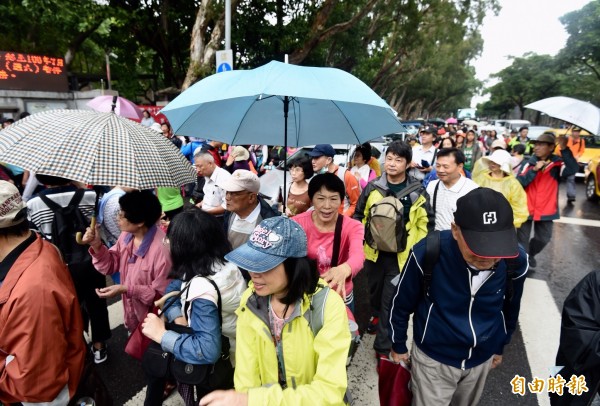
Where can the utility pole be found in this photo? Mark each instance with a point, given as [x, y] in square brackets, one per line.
[227, 24]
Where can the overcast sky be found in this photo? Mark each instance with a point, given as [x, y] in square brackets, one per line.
[522, 26]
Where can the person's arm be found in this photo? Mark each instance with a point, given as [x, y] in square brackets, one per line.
[580, 331]
[174, 310]
[528, 174]
[40, 310]
[202, 347]
[518, 201]
[571, 165]
[511, 307]
[330, 349]
[408, 294]
[352, 191]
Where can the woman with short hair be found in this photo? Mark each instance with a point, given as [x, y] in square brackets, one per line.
[281, 358]
[326, 192]
[297, 200]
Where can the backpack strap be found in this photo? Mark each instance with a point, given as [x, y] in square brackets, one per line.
[316, 312]
[435, 191]
[432, 254]
[413, 187]
[52, 205]
[337, 239]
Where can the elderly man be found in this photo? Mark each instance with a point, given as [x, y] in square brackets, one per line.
[464, 290]
[214, 197]
[245, 208]
[42, 346]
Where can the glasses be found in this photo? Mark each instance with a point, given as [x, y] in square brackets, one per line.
[166, 240]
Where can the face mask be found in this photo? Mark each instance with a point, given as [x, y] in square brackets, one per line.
[323, 170]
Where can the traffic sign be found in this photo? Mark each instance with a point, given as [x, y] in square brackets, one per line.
[224, 60]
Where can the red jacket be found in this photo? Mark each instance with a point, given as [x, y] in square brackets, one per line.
[40, 326]
[542, 186]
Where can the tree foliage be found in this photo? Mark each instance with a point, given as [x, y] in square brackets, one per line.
[415, 53]
[574, 72]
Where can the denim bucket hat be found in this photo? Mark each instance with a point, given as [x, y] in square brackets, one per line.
[273, 241]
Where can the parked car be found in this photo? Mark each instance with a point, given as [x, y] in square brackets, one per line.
[592, 189]
[592, 148]
[536, 130]
[516, 124]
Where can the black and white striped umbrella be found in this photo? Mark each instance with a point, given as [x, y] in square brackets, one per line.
[94, 148]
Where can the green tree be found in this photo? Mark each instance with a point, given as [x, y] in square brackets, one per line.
[529, 78]
[583, 45]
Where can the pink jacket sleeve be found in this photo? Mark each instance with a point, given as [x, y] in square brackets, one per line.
[351, 247]
[107, 261]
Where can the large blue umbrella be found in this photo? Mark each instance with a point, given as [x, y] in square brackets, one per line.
[282, 104]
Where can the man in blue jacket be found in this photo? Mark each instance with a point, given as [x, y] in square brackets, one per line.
[468, 311]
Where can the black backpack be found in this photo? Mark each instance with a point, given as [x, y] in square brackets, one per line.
[66, 223]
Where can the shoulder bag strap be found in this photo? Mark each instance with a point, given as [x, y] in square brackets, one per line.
[435, 191]
[337, 239]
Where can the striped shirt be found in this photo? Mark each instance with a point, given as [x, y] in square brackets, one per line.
[41, 216]
[445, 201]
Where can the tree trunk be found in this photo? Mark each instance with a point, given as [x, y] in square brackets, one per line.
[202, 52]
[318, 34]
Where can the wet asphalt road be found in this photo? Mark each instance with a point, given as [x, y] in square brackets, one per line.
[571, 254]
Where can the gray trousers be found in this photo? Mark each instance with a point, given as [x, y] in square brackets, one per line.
[542, 234]
[434, 383]
[571, 193]
[381, 293]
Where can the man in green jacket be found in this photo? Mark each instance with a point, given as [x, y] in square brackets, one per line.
[382, 267]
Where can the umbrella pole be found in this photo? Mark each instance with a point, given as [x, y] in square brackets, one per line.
[286, 108]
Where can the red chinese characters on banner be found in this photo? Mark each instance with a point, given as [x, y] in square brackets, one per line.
[19, 71]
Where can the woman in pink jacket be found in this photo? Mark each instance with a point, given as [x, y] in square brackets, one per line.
[327, 193]
[139, 254]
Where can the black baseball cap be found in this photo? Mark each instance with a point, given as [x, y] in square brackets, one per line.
[485, 219]
[428, 129]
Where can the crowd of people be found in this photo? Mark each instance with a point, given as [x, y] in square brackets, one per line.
[443, 231]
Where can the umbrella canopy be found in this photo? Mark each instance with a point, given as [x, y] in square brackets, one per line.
[120, 105]
[580, 113]
[471, 122]
[451, 120]
[280, 102]
[94, 148]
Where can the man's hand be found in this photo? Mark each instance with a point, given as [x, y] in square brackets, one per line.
[397, 358]
[561, 141]
[496, 360]
[539, 165]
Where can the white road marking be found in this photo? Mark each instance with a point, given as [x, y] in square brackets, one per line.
[578, 221]
[539, 320]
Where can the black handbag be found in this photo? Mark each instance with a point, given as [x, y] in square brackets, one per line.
[219, 375]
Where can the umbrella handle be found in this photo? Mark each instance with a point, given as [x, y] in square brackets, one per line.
[79, 235]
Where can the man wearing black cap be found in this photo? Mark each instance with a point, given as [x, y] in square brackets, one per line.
[424, 154]
[322, 161]
[539, 177]
[467, 311]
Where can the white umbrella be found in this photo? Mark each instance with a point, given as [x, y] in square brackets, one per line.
[580, 113]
